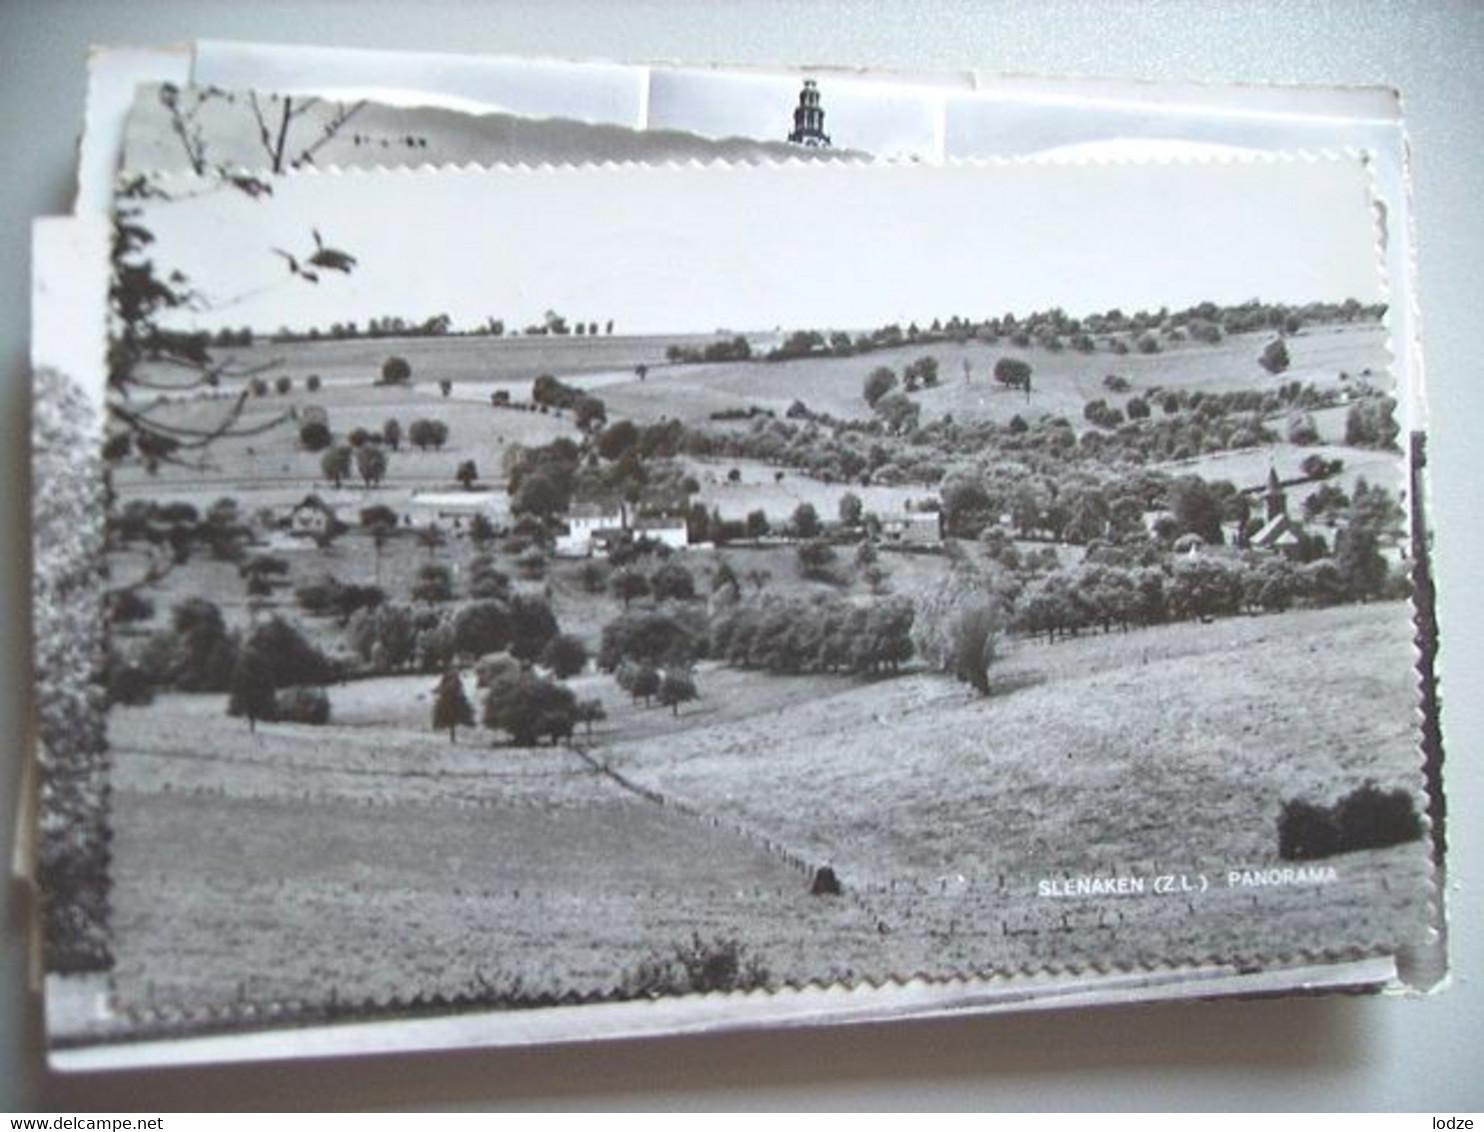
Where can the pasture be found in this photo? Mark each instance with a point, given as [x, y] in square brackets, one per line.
[1248, 467]
[473, 361]
[1062, 382]
[761, 487]
[374, 861]
[272, 469]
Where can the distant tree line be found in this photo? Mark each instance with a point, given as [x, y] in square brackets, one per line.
[1113, 330]
[434, 326]
[737, 349]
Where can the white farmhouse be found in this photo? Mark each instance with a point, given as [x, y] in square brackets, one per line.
[459, 507]
[595, 527]
[311, 518]
[670, 531]
[589, 526]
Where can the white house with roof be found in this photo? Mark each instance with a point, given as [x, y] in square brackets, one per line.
[458, 507]
[595, 527]
[666, 529]
[312, 517]
[591, 526]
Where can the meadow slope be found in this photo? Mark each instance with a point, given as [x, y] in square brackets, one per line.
[374, 861]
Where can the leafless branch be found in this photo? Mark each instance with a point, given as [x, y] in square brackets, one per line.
[190, 436]
[343, 114]
[264, 135]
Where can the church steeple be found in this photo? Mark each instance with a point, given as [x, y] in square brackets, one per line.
[1274, 497]
[809, 118]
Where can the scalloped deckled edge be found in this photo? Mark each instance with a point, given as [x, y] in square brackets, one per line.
[812, 1006]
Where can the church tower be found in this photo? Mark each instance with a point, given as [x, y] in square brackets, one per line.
[809, 118]
[1275, 498]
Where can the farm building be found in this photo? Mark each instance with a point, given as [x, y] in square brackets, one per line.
[590, 526]
[663, 529]
[597, 527]
[311, 517]
[912, 528]
[458, 506]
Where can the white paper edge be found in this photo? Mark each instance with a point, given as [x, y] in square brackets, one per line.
[705, 1014]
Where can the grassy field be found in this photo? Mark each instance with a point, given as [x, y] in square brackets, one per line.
[272, 470]
[759, 487]
[373, 860]
[475, 362]
[1063, 382]
[1248, 468]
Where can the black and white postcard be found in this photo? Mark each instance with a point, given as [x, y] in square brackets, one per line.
[545, 603]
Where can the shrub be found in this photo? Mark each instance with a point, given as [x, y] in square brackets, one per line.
[879, 382]
[1302, 429]
[1316, 467]
[816, 559]
[805, 522]
[312, 383]
[1370, 818]
[672, 582]
[529, 709]
[302, 705]
[315, 436]
[1372, 424]
[565, 655]
[698, 967]
[659, 637]
[640, 681]
[425, 434]
[677, 687]
[593, 576]
[1306, 832]
[1013, 373]
[1365, 818]
[395, 371]
[294, 660]
[1274, 356]
[433, 585]
[924, 372]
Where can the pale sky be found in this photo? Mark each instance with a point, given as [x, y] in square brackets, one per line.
[667, 250]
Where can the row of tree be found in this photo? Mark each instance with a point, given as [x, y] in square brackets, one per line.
[827, 634]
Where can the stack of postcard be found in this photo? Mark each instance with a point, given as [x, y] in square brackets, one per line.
[532, 550]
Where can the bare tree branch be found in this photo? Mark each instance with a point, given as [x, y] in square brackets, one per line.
[343, 114]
